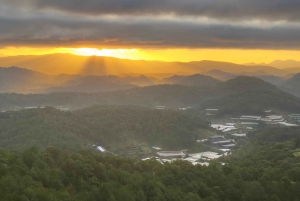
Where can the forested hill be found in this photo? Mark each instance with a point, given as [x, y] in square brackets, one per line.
[108, 126]
[258, 172]
[244, 83]
[244, 95]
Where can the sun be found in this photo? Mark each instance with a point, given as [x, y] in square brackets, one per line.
[120, 53]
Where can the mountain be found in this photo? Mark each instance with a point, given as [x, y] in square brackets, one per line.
[244, 83]
[199, 81]
[235, 68]
[292, 85]
[220, 75]
[272, 79]
[249, 95]
[71, 64]
[19, 80]
[192, 80]
[141, 80]
[254, 73]
[109, 126]
[237, 96]
[173, 79]
[285, 64]
[92, 84]
[290, 66]
[293, 82]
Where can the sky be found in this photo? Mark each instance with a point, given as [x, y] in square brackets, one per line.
[238, 31]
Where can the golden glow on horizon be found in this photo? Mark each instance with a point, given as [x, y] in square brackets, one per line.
[119, 53]
[182, 55]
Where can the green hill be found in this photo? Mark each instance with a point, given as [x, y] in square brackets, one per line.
[250, 95]
[108, 126]
[258, 171]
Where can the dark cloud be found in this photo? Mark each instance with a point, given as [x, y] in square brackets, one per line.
[145, 33]
[229, 9]
[145, 23]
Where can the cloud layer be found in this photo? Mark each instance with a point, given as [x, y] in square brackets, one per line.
[157, 23]
[246, 9]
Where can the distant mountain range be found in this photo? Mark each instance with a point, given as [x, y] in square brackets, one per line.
[281, 64]
[55, 64]
[20, 80]
[241, 95]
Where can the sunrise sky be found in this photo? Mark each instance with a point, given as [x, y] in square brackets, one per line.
[239, 31]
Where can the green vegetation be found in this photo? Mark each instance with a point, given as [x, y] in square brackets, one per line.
[261, 171]
[108, 126]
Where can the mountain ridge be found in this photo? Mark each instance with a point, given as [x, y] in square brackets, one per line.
[54, 64]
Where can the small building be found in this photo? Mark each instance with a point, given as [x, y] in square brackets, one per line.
[229, 145]
[287, 124]
[239, 134]
[225, 150]
[249, 117]
[224, 128]
[228, 129]
[171, 154]
[203, 140]
[223, 142]
[248, 123]
[101, 149]
[211, 112]
[205, 155]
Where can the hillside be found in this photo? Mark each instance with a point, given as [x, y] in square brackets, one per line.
[249, 95]
[108, 126]
[243, 83]
[20, 80]
[275, 80]
[192, 80]
[261, 170]
[292, 85]
[220, 75]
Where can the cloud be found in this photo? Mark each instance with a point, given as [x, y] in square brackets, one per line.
[273, 10]
[145, 33]
[241, 24]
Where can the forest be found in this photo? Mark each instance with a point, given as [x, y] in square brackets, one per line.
[261, 171]
[108, 126]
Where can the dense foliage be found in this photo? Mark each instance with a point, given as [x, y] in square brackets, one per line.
[260, 172]
[107, 126]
